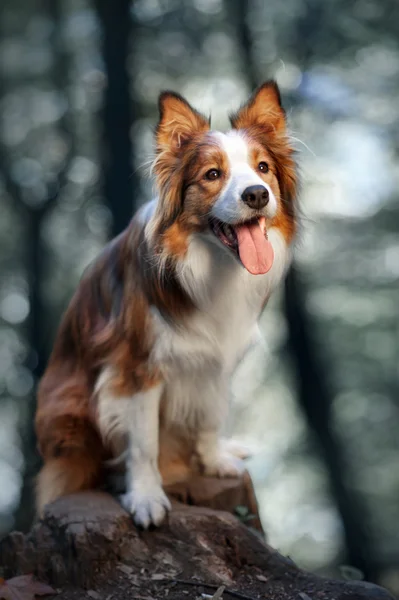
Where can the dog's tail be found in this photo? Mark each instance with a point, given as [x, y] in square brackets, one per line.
[68, 439]
[65, 475]
[72, 451]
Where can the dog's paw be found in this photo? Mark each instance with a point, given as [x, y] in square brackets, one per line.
[224, 465]
[235, 448]
[147, 506]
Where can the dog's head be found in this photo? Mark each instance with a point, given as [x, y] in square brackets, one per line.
[235, 186]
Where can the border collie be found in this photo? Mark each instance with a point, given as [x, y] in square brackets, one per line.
[146, 349]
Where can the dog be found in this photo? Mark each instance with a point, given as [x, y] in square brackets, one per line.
[146, 349]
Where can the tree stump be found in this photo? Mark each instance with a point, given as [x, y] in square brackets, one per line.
[87, 541]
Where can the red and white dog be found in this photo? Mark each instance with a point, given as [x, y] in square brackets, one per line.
[145, 352]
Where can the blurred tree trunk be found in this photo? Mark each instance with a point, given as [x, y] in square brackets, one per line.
[24, 512]
[118, 186]
[314, 393]
[35, 266]
[315, 396]
[116, 24]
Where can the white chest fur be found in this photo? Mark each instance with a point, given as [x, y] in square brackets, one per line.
[199, 358]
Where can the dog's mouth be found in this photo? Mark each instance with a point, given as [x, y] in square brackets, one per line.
[248, 241]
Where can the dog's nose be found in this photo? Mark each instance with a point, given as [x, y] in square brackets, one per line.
[255, 196]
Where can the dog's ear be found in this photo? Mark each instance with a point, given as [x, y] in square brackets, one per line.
[263, 110]
[178, 122]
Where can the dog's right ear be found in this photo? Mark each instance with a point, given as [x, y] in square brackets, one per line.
[178, 122]
[263, 110]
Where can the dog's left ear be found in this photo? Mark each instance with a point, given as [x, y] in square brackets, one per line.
[263, 109]
[178, 122]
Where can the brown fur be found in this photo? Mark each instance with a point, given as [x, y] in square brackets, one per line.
[108, 320]
[106, 323]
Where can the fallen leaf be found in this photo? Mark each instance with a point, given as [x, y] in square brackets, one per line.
[241, 511]
[304, 596]
[351, 573]
[23, 587]
[125, 569]
[219, 593]
[93, 594]
[158, 577]
[134, 580]
[261, 578]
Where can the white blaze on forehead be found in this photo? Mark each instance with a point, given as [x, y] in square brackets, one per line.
[237, 150]
[234, 145]
[229, 206]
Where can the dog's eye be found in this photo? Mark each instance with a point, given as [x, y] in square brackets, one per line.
[212, 174]
[263, 167]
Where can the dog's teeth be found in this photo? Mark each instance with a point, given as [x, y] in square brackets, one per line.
[229, 233]
[226, 230]
[262, 224]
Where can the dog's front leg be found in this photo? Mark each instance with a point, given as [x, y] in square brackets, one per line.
[144, 498]
[213, 453]
[138, 417]
[215, 459]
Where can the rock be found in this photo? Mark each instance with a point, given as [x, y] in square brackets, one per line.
[88, 541]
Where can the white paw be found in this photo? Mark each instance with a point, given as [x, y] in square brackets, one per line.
[147, 506]
[236, 448]
[224, 465]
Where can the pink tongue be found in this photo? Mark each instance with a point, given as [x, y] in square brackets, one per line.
[256, 252]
